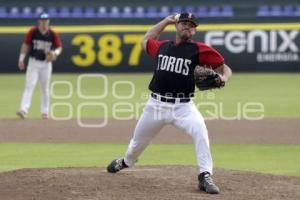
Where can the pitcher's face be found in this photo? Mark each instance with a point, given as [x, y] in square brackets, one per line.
[185, 30]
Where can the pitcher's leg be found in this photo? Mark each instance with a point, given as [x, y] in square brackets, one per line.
[191, 121]
[45, 76]
[201, 141]
[31, 80]
[147, 127]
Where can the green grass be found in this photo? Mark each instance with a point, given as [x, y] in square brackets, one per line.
[274, 159]
[278, 93]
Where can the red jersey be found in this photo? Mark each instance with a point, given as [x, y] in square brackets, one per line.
[40, 43]
[175, 64]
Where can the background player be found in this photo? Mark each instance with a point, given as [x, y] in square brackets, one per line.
[43, 46]
[172, 87]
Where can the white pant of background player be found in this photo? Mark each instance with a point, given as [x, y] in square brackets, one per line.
[185, 116]
[37, 71]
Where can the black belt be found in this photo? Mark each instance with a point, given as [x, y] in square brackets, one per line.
[34, 58]
[169, 99]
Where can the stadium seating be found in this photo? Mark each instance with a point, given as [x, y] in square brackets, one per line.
[278, 11]
[114, 11]
[213, 11]
[139, 12]
[3, 13]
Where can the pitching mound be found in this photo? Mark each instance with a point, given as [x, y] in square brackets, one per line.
[149, 182]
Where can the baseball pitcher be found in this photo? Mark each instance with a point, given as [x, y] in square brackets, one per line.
[43, 45]
[172, 87]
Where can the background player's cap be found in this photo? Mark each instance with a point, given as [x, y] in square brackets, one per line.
[44, 16]
[187, 17]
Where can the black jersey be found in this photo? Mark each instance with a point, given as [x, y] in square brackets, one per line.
[39, 43]
[175, 64]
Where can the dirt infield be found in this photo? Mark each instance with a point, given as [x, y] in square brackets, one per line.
[161, 182]
[268, 131]
[148, 182]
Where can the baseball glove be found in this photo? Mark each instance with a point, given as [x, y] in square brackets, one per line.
[207, 78]
[51, 56]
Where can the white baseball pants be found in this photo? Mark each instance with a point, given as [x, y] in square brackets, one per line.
[37, 71]
[184, 116]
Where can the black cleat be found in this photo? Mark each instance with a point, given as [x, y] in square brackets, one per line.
[116, 165]
[206, 183]
[21, 114]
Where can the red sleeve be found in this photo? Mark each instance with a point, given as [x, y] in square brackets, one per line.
[57, 40]
[28, 36]
[209, 56]
[153, 47]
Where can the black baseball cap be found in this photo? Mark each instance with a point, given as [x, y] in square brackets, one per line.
[188, 17]
[44, 16]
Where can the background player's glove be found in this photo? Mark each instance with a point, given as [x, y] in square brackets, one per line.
[51, 56]
[207, 78]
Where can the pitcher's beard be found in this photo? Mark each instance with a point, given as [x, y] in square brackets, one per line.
[185, 38]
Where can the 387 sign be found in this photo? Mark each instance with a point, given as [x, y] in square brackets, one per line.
[108, 50]
[255, 47]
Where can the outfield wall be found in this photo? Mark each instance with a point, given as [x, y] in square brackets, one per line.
[116, 48]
